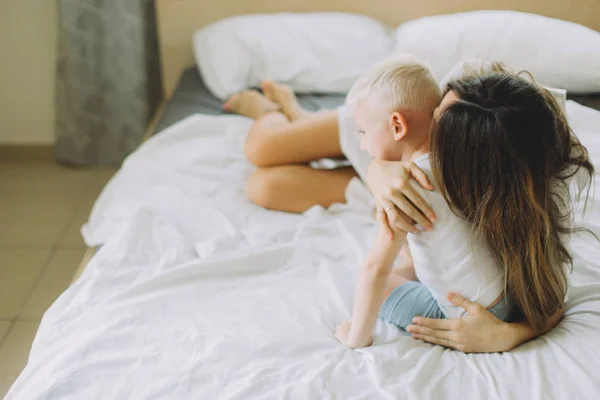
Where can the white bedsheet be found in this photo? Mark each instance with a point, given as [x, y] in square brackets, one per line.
[197, 294]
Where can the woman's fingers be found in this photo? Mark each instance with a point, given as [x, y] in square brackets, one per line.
[432, 323]
[420, 176]
[407, 221]
[396, 219]
[435, 340]
[438, 333]
[401, 221]
[410, 211]
[470, 306]
[421, 205]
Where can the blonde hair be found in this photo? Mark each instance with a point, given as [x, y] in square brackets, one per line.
[398, 83]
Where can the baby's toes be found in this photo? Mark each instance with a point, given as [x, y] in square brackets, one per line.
[268, 89]
[231, 102]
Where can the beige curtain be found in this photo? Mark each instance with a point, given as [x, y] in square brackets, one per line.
[108, 82]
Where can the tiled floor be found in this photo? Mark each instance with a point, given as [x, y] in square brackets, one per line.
[42, 207]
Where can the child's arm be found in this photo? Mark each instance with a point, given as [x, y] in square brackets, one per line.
[370, 287]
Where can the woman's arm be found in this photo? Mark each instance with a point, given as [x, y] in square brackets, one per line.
[477, 332]
[389, 182]
[370, 286]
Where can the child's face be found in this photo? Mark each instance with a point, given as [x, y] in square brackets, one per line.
[377, 133]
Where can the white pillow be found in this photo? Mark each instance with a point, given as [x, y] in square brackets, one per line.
[558, 53]
[316, 52]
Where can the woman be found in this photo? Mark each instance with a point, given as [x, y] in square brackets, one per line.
[479, 331]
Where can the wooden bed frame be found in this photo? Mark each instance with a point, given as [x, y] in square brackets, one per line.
[179, 19]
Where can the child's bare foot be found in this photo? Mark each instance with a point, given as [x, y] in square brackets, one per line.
[250, 103]
[285, 97]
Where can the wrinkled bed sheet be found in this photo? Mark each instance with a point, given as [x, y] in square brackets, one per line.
[198, 294]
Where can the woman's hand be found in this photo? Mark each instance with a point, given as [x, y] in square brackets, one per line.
[478, 332]
[398, 203]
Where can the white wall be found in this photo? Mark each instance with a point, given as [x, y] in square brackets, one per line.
[28, 37]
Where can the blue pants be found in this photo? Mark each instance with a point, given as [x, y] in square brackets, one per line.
[413, 299]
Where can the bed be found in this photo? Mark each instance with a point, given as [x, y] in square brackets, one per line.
[191, 96]
[196, 293]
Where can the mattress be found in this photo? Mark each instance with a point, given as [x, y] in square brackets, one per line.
[192, 96]
[199, 294]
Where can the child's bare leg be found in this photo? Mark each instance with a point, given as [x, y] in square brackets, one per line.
[285, 133]
[296, 188]
[284, 96]
[406, 267]
[394, 280]
[250, 103]
[404, 272]
[273, 140]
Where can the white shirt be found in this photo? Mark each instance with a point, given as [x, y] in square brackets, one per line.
[451, 258]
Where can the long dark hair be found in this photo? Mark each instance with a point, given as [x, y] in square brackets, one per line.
[503, 156]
